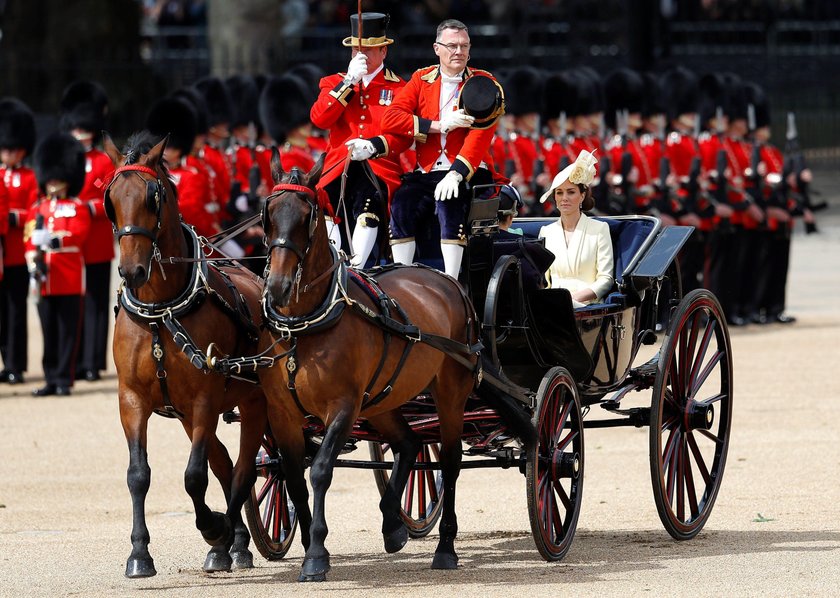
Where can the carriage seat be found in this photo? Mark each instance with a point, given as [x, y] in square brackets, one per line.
[627, 235]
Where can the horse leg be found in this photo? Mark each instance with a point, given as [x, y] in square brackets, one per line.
[218, 558]
[404, 445]
[451, 429]
[139, 476]
[316, 562]
[253, 423]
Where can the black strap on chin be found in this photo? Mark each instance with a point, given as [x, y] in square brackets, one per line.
[130, 229]
[158, 355]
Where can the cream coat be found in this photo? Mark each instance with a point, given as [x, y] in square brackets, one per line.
[588, 260]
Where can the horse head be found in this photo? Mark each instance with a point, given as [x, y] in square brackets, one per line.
[135, 204]
[293, 225]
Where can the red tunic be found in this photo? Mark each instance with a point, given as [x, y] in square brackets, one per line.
[710, 147]
[346, 116]
[193, 189]
[99, 247]
[216, 160]
[645, 158]
[22, 187]
[68, 221]
[211, 204]
[410, 117]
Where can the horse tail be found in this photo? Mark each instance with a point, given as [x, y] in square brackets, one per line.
[513, 412]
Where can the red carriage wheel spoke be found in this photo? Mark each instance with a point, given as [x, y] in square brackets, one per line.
[284, 508]
[556, 520]
[421, 491]
[408, 497]
[701, 378]
[711, 400]
[670, 465]
[265, 488]
[561, 493]
[698, 458]
[709, 435]
[689, 483]
[569, 438]
[680, 479]
[701, 354]
[689, 352]
[269, 511]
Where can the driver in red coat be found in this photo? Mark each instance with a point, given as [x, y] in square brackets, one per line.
[351, 106]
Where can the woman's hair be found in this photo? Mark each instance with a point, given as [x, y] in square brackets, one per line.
[588, 201]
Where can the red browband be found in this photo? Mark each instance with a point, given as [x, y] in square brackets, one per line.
[127, 168]
[296, 188]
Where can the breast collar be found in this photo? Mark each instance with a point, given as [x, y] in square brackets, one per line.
[191, 296]
[323, 318]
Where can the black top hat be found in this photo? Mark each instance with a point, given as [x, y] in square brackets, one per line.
[17, 125]
[59, 157]
[284, 105]
[217, 96]
[681, 91]
[482, 98]
[174, 117]
[373, 30]
[524, 91]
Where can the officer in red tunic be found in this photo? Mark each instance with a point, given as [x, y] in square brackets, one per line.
[453, 147]
[17, 139]
[56, 229]
[176, 118]
[84, 106]
[351, 106]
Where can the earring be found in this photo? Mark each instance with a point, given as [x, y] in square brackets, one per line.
[580, 207]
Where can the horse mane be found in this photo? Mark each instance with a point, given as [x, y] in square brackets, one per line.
[141, 143]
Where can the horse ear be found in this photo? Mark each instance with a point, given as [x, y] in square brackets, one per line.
[152, 158]
[315, 174]
[117, 159]
[276, 165]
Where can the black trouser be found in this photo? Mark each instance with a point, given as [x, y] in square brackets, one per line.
[13, 291]
[754, 267]
[693, 261]
[93, 344]
[779, 260]
[724, 244]
[360, 197]
[61, 320]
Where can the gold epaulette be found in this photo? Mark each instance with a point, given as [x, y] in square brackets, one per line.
[429, 73]
[390, 76]
[471, 72]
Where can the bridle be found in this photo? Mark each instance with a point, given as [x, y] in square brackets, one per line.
[282, 242]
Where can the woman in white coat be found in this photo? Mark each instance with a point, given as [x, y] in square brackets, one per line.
[582, 247]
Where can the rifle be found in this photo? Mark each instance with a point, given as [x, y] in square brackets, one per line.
[795, 163]
[663, 190]
[539, 163]
[626, 186]
[38, 269]
[756, 190]
[254, 175]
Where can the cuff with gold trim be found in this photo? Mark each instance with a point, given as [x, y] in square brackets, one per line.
[421, 128]
[381, 145]
[462, 166]
[343, 92]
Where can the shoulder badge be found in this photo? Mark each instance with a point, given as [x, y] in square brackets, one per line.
[390, 76]
[429, 73]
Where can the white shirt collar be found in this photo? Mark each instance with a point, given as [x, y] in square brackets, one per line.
[366, 79]
[456, 79]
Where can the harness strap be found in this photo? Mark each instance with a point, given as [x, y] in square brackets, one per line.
[159, 355]
[240, 313]
[185, 343]
[291, 368]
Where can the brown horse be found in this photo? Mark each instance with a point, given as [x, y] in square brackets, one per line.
[161, 300]
[327, 361]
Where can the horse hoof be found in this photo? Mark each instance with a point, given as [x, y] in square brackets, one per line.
[137, 568]
[242, 559]
[445, 560]
[314, 569]
[395, 540]
[220, 532]
[217, 561]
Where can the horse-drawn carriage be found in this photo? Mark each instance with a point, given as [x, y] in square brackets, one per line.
[559, 362]
[431, 382]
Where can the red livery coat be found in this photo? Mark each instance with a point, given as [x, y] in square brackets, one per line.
[410, 116]
[99, 247]
[193, 189]
[346, 116]
[22, 188]
[68, 220]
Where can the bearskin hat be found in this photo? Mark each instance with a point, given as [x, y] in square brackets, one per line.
[312, 74]
[284, 105]
[17, 125]
[680, 92]
[84, 105]
[60, 157]
[560, 94]
[756, 97]
[736, 105]
[592, 99]
[245, 96]
[712, 96]
[176, 118]
[654, 100]
[217, 97]
[624, 89]
[194, 98]
[523, 91]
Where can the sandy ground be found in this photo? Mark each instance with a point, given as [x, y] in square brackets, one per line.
[65, 512]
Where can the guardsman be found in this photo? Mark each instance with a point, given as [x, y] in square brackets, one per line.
[311, 74]
[251, 177]
[680, 92]
[633, 169]
[219, 111]
[351, 106]
[450, 111]
[84, 110]
[284, 110]
[524, 103]
[560, 104]
[176, 118]
[56, 229]
[17, 140]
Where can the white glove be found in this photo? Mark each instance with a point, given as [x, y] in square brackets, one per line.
[241, 203]
[232, 249]
[40, 236]
[455, 120]
[356, 69]
[360, 149]
[448, 186]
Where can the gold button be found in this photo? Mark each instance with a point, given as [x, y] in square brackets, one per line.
[366, 96]
[361, 127]
[363, 117]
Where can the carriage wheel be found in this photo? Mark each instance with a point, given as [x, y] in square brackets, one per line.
[269, 510]
[691, 413]
[554, 467]
[422, 499]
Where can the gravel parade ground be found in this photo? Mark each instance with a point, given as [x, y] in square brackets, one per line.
[65, 511]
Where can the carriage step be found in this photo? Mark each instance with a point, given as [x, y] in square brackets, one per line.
[636, 416]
